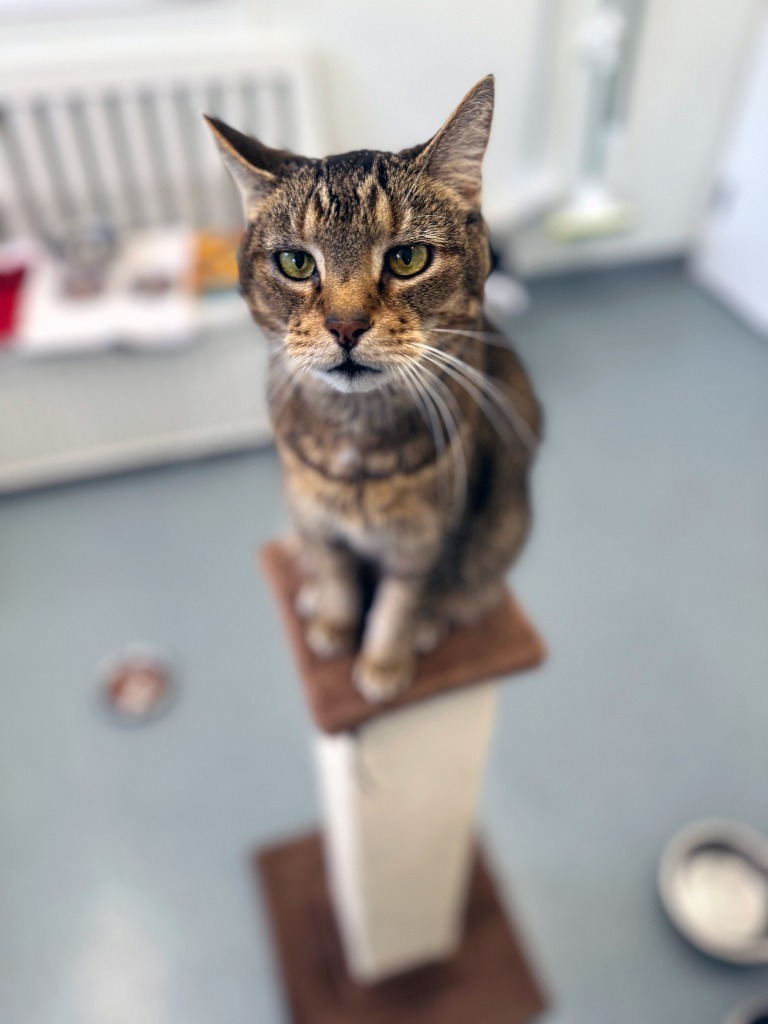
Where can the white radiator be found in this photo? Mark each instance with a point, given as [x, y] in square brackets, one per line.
[127, 141]
[83, 138]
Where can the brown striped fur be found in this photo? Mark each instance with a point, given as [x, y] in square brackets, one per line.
[376, 478]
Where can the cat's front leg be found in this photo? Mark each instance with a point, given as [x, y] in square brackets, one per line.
[387, 660]
[330, 600]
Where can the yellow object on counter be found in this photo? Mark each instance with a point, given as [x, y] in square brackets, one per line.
[216, 261]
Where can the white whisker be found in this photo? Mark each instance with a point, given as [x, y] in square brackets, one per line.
[433, 420]
[489, 337]
[452, 418]
[492, 391]
[502, 427]
[283, 392]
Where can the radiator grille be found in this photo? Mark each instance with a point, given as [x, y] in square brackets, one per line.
[134, 150]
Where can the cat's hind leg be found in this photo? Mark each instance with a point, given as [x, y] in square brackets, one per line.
[467, 606]
[455, 608]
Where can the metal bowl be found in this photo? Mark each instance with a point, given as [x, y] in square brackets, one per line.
[713, 883]
[754, 1011]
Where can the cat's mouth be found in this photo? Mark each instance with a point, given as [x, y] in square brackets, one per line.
[351, 375]
[351, 369]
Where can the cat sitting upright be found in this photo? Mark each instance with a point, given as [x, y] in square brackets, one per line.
[405, 423]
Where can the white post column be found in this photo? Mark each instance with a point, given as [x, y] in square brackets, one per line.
[400, 793]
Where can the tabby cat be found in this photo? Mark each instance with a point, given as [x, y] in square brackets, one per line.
[405, 423]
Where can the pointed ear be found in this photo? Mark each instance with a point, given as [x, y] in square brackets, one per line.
[252, 165]
[455, 155]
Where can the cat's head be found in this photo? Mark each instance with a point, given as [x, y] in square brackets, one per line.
[348, 262]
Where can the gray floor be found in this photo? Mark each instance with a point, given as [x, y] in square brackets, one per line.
[125, 895]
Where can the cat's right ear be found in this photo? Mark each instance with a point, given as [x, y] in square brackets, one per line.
[248, 161]
[455, 155]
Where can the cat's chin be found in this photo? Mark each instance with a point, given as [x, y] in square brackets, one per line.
[350, 385]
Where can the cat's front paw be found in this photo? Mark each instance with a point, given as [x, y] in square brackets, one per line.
[429, 634]
[330, 639]
[379, 681]
[307, 601]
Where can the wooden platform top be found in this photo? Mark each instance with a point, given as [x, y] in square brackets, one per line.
[502, 643]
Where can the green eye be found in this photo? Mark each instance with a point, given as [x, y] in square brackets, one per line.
[295, 264]
[407, 260]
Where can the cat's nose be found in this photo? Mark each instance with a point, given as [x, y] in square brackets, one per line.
[348, 332]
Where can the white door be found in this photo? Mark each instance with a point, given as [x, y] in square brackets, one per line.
[731, 257]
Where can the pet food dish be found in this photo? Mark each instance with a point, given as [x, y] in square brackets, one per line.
[713, 883]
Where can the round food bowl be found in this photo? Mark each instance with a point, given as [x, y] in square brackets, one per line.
[136, 684]
[713, 884]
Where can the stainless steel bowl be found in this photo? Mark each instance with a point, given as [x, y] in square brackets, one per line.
[753, 1011]
[713, 883]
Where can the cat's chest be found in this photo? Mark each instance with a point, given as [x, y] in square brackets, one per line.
[346, 461]
[350, 457]
[350, 479]
[368, 508]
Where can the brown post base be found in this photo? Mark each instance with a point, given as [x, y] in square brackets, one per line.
[488, 981]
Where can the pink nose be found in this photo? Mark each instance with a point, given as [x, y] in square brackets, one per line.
[347, 332]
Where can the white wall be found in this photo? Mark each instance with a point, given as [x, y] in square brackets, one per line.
[387, 74]
[49, 8]
[394, 71]
[61, 23]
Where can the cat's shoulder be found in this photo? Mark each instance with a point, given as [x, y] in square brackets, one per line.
[502, 358]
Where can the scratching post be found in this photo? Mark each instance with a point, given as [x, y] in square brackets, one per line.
[399, 796]
[392, 914]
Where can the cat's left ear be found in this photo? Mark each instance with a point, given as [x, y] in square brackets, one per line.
[455, 155]
[253, 166]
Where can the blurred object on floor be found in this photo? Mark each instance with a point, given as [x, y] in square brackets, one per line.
[713, 883]
[592, 211]
[731, 258]
[753, 1011]
[137, 684]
